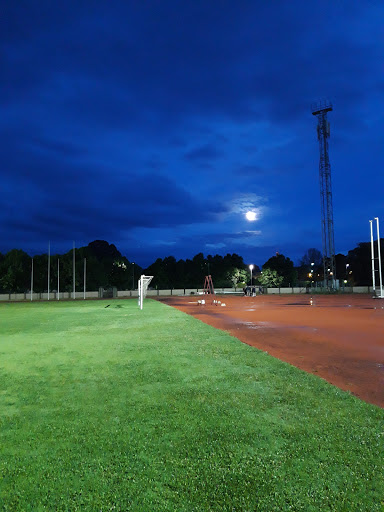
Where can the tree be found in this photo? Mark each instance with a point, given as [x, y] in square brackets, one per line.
[157, 270]
[104, 251]
[102, 268]
[182, 277]
[270, 278]
[234, 260]
[311, 266]
[237, 276]
[342, 267]
[121, 275]
[284, 268]
[199, 270]
[169, 266]
[312, 256]
[15, 271]
[360, 263]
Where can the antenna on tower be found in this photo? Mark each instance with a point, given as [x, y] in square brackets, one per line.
[320, 110]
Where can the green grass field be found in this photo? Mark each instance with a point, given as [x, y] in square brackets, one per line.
[113, 408]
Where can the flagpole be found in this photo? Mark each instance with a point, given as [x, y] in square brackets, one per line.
[32, 280]
[49, 265]
[372, 260]
[74, 286]
[85, 274]
[379, 256]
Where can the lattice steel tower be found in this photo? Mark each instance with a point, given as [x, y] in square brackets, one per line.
[320, 110]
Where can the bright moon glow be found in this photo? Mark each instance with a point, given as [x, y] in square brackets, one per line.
[251, 215]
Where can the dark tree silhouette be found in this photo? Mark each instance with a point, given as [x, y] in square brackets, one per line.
[284, 268]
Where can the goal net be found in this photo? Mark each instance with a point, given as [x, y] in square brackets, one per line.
[143, 284]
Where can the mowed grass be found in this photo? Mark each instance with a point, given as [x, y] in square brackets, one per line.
[113, 408]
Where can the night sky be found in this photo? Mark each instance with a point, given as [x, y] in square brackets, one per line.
[155, 125]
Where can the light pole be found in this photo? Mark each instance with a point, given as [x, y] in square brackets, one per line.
[379, 258]
[85, 275]
[251, 267]
[74, 272]
[49, 266]
[32, 280]
[133, 275]
[373, 260]
[346, 274]
[311, 272]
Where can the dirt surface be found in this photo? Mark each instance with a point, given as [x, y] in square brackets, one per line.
[337, 337]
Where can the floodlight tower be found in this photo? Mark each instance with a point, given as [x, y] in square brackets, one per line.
[320, 110]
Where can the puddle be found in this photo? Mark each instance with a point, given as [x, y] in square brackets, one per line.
[296, 304]
[259, 325]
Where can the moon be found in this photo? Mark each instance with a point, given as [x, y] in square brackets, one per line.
[250, 215]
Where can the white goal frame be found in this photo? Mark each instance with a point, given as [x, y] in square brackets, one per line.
[142, 286]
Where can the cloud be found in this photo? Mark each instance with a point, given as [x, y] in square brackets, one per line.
[145, 71]
[247, 202]
[219, 245]
[57, 147]
[206, 152]
[108, 109]
[250, 170]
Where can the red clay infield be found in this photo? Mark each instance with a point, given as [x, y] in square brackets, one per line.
[338, 337]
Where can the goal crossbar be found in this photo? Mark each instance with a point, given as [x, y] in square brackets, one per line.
[142, 287]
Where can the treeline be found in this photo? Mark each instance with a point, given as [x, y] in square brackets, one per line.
[107, 267]
[104, 267]
[226, 271]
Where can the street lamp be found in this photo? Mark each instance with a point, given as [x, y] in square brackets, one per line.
[251, 267]
[311, 272]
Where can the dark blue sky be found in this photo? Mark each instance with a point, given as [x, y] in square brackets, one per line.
[155, 125]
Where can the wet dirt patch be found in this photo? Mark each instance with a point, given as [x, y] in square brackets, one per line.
[339, 338]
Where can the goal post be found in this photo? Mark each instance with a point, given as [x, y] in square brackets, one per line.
[142, 287]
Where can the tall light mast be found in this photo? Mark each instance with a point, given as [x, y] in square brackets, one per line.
[320, 110]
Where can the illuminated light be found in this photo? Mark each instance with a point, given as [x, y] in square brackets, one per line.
[250, 215]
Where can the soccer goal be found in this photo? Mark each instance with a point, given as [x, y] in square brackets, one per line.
[142, 287]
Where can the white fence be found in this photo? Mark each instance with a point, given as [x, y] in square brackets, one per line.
[6, 297]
